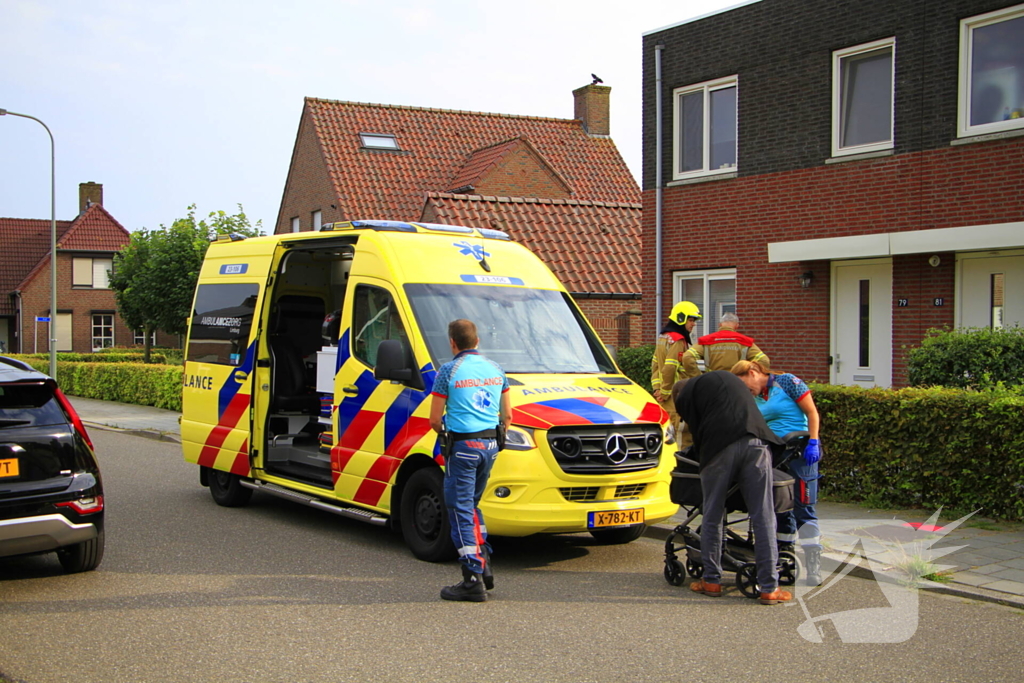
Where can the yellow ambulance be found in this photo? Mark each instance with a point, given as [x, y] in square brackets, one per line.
[309, 366]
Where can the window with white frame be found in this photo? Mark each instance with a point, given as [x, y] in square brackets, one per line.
[714, 292]
[862, 97]
[91, 272]
[139, 337]
[317, 220]
[704, 121]
[991, 93]
[102, 330]
[295, 224]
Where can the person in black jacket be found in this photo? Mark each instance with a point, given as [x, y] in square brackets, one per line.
[733, 444]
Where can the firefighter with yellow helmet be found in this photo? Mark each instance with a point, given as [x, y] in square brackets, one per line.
[666, 366]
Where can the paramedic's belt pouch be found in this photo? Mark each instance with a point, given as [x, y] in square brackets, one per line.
[499, 436]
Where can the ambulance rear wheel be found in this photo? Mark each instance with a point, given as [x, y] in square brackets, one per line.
[227, 489]
[424, 517]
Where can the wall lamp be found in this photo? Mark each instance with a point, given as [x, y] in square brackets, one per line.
[806, 279]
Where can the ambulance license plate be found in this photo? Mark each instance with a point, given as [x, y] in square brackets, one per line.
[9, 467]
[615, 518]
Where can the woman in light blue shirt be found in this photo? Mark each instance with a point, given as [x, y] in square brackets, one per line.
[787, 406]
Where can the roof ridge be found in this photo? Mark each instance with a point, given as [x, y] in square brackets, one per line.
[533, 200]
[79, 220]
[438, 110]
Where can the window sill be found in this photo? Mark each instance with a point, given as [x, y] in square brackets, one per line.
[988, 137]
[702, 179]
[859, 157]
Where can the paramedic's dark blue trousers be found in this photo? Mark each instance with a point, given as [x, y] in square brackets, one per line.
[465, 477]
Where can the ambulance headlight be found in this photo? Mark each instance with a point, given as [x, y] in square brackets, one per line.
[519, 439]
[652, 443]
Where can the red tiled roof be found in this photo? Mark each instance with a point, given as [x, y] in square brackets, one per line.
[25, 245]
[592, 247]
[95, 230]
[479, 162]
[435, 147]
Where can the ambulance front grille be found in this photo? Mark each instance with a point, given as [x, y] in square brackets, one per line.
[629, 490]
[606, 449]
[580, 494]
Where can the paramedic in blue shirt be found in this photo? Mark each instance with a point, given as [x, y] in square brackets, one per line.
[787, 406]
[470, 399]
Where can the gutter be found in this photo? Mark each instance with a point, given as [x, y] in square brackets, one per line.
[658, 303]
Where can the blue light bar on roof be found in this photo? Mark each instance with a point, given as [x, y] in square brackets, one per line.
[440, 227]
[399, 226]
[494, 234]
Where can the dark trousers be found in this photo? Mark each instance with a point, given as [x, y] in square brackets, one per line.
[749, 463]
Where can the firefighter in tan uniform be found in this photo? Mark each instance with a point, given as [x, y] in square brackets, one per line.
[722, 349]
[666, 366]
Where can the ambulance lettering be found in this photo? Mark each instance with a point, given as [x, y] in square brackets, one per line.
[198, 382]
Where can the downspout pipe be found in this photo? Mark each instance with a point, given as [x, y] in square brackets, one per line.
[658, 184]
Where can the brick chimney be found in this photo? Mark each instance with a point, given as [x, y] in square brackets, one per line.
[592, 104]
[89, 193]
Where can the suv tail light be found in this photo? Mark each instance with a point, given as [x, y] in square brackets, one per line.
[84, 506]
[76, 421]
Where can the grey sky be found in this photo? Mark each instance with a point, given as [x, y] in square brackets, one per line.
[173, 103]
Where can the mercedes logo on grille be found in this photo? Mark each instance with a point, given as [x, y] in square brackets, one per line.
[616, 448]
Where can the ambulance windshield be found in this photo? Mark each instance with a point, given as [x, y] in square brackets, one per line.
[524, 330]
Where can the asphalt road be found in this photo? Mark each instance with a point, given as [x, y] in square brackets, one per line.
[189, 591]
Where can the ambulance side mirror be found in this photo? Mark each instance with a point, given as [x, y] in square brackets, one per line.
[395, 362]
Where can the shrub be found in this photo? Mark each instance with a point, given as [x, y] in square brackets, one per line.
[925, 447]
[635, 363]
[138, 383]
[976, 358]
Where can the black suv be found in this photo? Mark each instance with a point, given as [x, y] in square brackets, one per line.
[51, 495]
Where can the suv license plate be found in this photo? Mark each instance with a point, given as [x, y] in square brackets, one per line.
[615, 518]
[9, 467]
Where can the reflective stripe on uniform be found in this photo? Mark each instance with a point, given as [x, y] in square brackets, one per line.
[813, 540]
[785, 538]
[469, 550]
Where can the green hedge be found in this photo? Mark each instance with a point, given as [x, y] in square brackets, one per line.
[635, 363]
[978, 358]
[924, 447]
[98, 357]
[138, 383]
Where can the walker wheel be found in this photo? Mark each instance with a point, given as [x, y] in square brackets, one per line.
[789, 569]
[694, 569]
[746, 580]
[674, 572]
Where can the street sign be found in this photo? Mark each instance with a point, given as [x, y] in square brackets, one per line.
[42, 319]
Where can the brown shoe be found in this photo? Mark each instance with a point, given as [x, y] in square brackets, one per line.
[775, 597]
[711, 589]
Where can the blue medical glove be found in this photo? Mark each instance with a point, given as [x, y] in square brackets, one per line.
[812, 453]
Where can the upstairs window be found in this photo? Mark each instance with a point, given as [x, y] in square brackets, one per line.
[862, 98]
[992, 72]
[91, 272]
[379, 141]
[704, 142]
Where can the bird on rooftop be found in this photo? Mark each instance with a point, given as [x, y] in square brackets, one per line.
[596, 79]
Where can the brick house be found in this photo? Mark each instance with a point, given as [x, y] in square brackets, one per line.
[86, 318]
[558, 186]
[844, 176]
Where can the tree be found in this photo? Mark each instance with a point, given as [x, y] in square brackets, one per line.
[155, 274]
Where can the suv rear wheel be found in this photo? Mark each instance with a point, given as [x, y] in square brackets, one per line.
[82, 557]
[227, 489]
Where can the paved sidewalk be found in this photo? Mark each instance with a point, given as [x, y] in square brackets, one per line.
[990, 566]
[143, 420]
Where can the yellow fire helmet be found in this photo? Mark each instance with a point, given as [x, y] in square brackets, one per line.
[683, 310]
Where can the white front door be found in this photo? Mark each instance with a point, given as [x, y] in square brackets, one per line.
[991, 290]
[862, 323]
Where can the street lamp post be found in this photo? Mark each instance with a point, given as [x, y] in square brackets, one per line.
[53, 244]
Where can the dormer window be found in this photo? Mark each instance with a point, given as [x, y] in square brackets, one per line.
[379, 141]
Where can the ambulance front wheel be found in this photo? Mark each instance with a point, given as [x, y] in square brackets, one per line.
[424, 517]
[227, 489]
